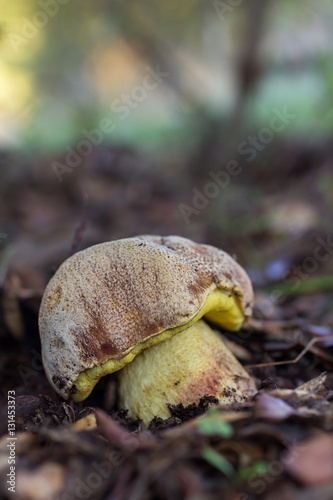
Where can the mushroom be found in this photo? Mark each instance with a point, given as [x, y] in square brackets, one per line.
[183, 369]
[108, 303]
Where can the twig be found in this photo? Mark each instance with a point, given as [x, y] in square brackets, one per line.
[308, 347]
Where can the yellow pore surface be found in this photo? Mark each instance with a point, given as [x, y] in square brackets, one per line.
[221, 307]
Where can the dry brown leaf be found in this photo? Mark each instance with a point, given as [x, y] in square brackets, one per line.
[312, 463]
[272, 408]
[316, 385]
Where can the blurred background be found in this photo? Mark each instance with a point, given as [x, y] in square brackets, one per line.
[208, 119]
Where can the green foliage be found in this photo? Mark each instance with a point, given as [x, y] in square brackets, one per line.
[217, 460]
[257, 469]
[213, 424]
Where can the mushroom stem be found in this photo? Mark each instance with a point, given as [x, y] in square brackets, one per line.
[183, 369]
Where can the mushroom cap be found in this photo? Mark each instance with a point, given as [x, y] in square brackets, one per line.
[107, 303]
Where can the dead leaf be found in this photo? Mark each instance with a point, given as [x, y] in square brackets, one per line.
[272, 408]
[316, 385]
[312, 464]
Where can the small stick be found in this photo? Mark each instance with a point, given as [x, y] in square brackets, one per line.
[300, 355]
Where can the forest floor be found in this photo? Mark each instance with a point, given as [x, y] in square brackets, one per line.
[277, 444]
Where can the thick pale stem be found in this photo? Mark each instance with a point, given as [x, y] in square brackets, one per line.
[183, 369]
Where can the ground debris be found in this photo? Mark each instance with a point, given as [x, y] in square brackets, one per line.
[193, 410]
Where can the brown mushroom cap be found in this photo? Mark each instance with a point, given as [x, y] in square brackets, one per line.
[108, 302]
